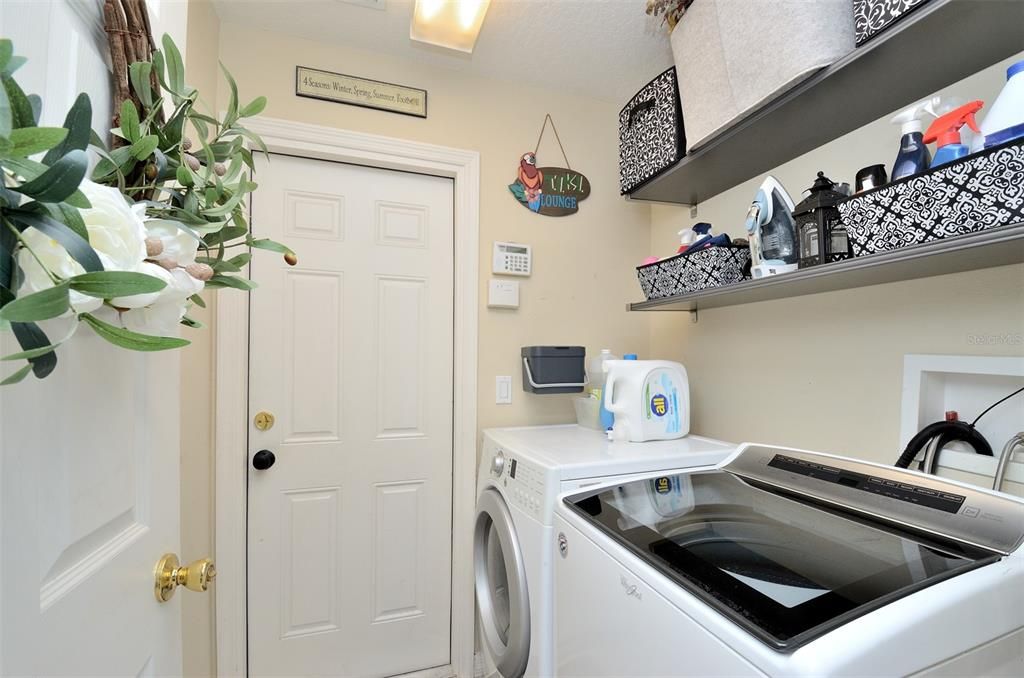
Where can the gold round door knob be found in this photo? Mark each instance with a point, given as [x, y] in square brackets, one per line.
[170, 574]
[264, 421]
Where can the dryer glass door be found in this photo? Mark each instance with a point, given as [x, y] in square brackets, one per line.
[501, 592]
[785, 569]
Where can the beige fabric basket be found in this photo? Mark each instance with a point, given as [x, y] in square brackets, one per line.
[734, 55]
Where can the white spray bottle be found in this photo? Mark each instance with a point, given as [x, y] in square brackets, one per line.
[913, 156]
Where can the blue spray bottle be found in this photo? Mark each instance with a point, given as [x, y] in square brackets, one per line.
[913, 156]
[945, 131]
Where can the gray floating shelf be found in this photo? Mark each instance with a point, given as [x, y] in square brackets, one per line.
[984, 249]
[938, 44]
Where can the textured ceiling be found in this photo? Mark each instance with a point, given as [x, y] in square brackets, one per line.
[601, 48]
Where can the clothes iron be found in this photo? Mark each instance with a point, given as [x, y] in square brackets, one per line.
[772, 231]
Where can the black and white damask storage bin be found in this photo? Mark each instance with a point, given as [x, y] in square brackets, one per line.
[651, 137]
[981, 191]
[871, 17]
[691, 272]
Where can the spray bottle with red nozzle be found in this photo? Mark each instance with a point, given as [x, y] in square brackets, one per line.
[945, 130]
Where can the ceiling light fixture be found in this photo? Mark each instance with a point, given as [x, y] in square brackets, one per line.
[454, 24]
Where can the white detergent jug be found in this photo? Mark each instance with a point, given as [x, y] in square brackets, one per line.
[649, 398]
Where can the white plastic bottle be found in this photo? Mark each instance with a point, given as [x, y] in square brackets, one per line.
[1005, 119]
[650, 400]
[595, 369]
[597, 373]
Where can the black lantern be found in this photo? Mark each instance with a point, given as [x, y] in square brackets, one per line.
[820, 230]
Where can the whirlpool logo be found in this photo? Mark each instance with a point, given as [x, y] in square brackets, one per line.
[630, 589]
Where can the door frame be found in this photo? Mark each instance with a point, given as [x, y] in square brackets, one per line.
[232, 371]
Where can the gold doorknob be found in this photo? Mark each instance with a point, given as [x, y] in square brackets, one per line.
[170, 574]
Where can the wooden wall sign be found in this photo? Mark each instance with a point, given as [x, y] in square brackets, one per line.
[348, 89]
[549, 191]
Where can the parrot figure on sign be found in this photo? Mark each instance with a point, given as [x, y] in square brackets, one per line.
[531, 179]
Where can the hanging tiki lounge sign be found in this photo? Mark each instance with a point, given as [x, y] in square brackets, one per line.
[549, 191]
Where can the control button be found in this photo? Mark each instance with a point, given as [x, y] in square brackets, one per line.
[498, 464]
[971, 511]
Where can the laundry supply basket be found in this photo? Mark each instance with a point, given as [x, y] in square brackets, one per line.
[651, 136]
[691, 272]
[981, 191]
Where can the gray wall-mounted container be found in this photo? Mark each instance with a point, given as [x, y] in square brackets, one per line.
[553, 369]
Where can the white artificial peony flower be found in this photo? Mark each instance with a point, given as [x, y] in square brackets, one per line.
[185, 285]
[116, 230]
[116, 233]
[163, 314]
[177, 244]
[141, 300]
[57, 260]
[162, 318]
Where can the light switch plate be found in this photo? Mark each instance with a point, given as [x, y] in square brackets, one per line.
[503, 390]
[503, 294]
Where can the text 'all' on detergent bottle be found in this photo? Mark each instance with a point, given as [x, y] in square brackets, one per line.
[650, 400]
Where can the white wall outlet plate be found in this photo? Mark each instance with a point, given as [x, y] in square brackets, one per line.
[503, 294]
[503, 390]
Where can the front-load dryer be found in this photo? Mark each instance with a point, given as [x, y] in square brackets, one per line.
[522, 472]
[789, 563]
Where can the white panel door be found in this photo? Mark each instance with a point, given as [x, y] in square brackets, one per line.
[88, 456]
[351, 351]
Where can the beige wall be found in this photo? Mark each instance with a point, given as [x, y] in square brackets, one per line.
[825, 371]
[197, 489]
[579, 287]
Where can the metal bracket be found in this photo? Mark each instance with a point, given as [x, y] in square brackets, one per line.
[693, 211]
[693, 316]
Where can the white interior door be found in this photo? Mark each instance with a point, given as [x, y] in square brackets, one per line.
[349, 557]
[88, 456]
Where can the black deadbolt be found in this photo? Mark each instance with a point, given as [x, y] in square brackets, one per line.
[263, 460]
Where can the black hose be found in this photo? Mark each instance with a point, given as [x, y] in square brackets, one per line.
[948, 431]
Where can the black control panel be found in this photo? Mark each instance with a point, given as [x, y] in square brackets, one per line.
[923, 496]
[512, 469]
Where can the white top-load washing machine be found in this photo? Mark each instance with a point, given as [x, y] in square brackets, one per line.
[790, 563]
[522, 472]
